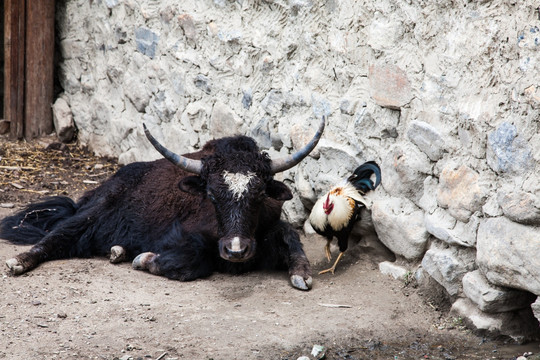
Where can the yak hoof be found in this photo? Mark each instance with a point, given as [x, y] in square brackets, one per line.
[15, 267]
[118, 254]
[142, 260]
[300, 283]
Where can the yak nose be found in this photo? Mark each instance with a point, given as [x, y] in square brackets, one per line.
[236, 249]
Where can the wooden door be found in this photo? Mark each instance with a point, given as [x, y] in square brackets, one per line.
[28, 67]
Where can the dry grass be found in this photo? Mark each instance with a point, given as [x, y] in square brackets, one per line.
[30, 170]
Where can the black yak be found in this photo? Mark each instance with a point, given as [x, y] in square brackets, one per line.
[182, 217]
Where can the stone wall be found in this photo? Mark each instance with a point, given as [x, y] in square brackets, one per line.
[444, 95]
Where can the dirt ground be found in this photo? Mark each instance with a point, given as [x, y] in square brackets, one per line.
[91, 309]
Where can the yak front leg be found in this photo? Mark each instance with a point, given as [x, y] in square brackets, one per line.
[297, 261]
[191, 258]
[146, 261]
[173, 265]
[117, 254]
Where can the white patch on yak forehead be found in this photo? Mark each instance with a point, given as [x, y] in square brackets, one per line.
[237, 182]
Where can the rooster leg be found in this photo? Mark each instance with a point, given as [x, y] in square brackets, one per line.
[327, 250]
[333, 268]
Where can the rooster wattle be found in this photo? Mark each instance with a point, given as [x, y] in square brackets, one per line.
[335, 213]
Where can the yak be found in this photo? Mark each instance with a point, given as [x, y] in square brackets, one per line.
[183, 216]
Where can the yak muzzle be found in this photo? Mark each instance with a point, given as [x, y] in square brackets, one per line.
[236, 249]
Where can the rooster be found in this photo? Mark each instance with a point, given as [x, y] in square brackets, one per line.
[335, 213]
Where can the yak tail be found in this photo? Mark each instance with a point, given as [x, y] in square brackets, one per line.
[361, 178]
[30, 225]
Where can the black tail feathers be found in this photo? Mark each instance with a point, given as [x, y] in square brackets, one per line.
[361, 177]
[30, 225]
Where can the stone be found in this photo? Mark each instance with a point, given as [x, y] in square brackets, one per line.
[536, 149]
[384, 32]
[348, 107]
[400, 227]
[471, 136]
[273, 102]
[508, 151]
[461, 191]
[427, 138]
[396, 271]
[261, 133]
[389, 86]
[305, 191]
[247, 98]
[519, 206]
[223, 121]
[163, 105]
[146, 41]
[453, 232]
[167, 14]
[506, 255]
[448, 266]
[72, 49]
[294, 212]
[203, 82]
[69, 74]
[318, 352]
[301, 134]
[188, 25]
[405, 168]
[491, 208]
[337, 160]
[494, 299]
[428, 201]
[320, 104]
[424, 281]
[136, 91]
[528, 37]
[532, 95]
[521, 326]
[63, 120]
[111, 3]
[231, 36]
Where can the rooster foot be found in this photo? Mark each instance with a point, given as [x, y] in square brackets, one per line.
[327, 251]
[333, 268]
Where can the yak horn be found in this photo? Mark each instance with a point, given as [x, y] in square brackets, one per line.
[288, 162]
[189, 165]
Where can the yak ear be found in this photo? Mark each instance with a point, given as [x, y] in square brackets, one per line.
[192, 184]
[278, 190]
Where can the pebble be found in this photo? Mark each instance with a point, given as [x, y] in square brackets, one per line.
[318, 352]
[7, 205]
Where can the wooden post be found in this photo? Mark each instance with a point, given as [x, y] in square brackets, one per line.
[39, 68]
[14, 66]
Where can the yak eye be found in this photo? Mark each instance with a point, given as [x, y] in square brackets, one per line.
[211, 197]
